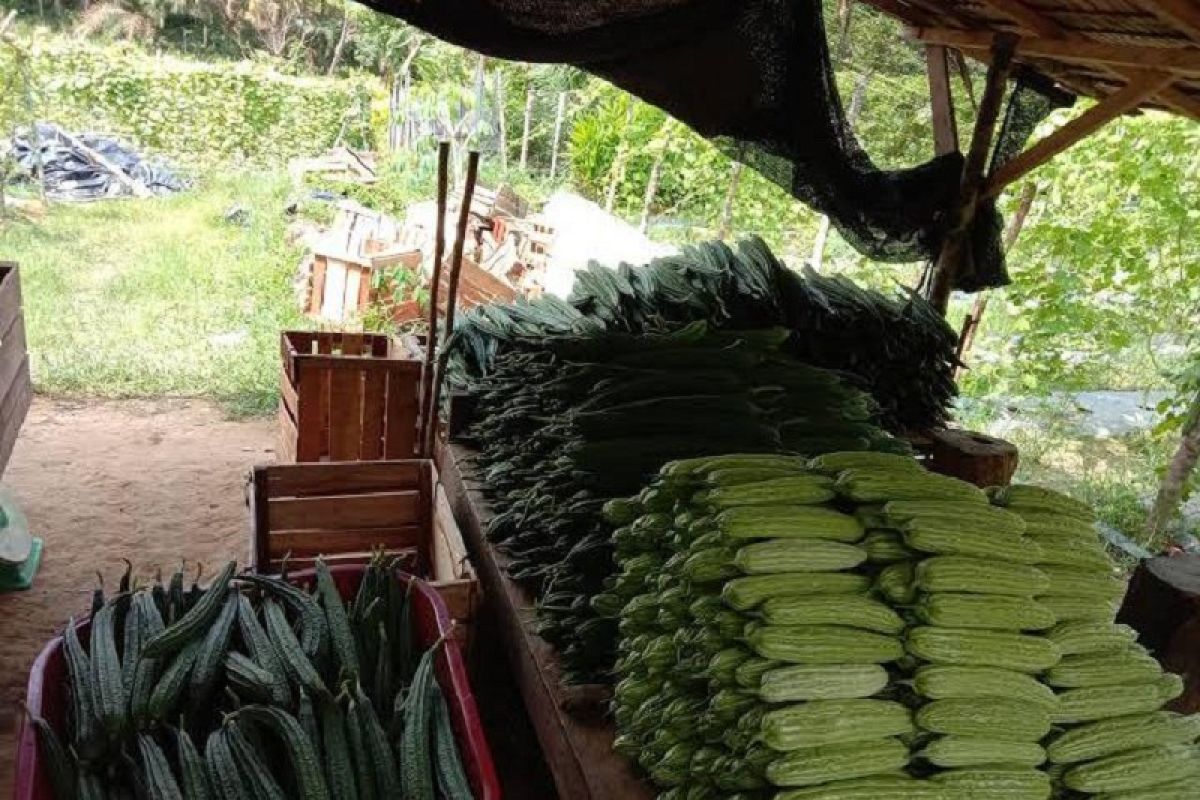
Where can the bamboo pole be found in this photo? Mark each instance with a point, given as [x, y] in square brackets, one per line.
[439, 250]
[460, 235]
[525, 128]
[501, 122]
[558, 126]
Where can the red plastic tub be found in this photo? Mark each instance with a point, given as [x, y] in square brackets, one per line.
[46, 695]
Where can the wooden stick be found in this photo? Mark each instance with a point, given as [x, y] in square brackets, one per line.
[460, 235]
[955, 249]
[1183, 14]
[1082, 126]
[439, 248]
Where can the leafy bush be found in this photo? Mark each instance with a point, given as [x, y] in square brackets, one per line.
[200, 113]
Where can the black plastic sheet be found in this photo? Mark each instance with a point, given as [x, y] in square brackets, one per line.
[73, 174]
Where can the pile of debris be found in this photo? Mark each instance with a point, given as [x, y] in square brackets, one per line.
[88, 166]
[367, 258]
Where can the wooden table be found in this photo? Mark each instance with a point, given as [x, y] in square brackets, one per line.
[578, 751]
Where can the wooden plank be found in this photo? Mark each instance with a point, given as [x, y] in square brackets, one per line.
[256, 499]
[408, 559]
[380, 510]
[354, 540]
[335, 290]
[334, 362]
[13, 408]
[901, 10]
[345, 414]
[316, 296]
[286, 449]
[12, 352]
[364, 288]
[10, 295]
[449, 558]
[310, 412]
[941, 99]
[578, 751]
[400, 426]
[354, 284]
[1179, 60]
[374, 407]
[287, 392]
[1129, 98]
[312, 480]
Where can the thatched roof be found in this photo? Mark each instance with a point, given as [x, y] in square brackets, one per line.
[1092, 47]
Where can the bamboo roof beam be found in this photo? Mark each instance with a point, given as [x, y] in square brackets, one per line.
[1139, 89]
[1183, 61]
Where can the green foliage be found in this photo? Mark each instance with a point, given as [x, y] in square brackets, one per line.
[140, 298]
[1106, 275]
[199, 113]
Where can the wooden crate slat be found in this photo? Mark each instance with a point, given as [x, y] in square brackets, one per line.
[400, 428]
[345, 414]
[10, 296]
[312, 400]
[374, 408]
[287, 435]
[382, 510]
[287, 393]
[13, 408]
[362, 557]
[319, 542]
[301, 480]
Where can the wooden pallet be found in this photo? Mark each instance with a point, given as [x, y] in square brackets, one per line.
[345, 511]
[577, 750]
[16, 387]
[347, 397]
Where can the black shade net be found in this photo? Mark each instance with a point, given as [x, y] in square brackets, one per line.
[756, 78]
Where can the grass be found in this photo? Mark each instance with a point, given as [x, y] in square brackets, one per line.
[161, 297]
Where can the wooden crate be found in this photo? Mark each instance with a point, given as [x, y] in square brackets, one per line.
[16, 388]
[343, 511]
[341, 286]
[347, 397]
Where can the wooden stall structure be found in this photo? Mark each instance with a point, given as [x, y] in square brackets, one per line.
[577, 746]
[16, 388]
[347, 397]
[346, 511]
[1127, 54]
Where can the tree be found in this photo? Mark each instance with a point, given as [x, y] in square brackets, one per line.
[1181, 416]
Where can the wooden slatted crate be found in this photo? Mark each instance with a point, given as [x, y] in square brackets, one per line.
[347, 397]
[345, 511]
[16, 388]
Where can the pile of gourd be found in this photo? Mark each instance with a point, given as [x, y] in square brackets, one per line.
[857, 627]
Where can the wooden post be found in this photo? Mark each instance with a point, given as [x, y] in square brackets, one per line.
[525, 129]
[955, 248]
[558, 124]
[941, 98]
[431, 338]
[735, 178]
[429, 430]
[500, 121]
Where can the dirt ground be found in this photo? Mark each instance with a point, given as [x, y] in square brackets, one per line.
[153, 481]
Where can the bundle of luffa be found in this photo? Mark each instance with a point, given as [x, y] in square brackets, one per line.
[567, 425]
[896, 347]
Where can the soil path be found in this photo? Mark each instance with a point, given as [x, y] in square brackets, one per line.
[153, 481]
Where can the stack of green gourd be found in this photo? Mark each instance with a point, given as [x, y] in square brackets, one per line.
[855, 627]
[1111, 737]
